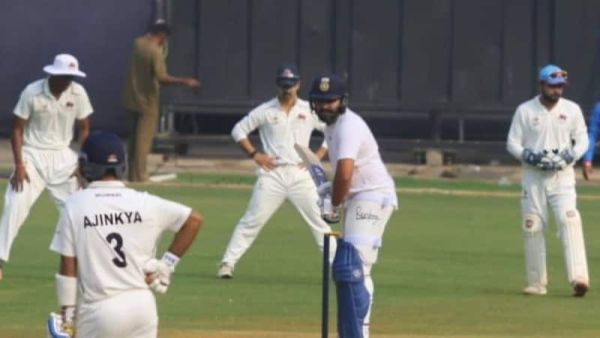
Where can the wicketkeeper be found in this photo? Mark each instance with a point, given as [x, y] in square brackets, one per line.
[363, 191]
[548, 134]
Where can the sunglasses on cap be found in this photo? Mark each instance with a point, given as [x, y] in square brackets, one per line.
[560, 74]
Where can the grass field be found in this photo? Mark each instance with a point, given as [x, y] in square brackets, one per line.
[451, 266]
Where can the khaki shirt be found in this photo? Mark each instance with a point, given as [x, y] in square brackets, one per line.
[147, 66]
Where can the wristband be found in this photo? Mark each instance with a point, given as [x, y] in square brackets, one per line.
[66, 290]
[254, 152]
[170, 259]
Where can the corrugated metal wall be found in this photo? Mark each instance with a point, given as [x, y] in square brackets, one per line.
[405, 59]
[99, 33]
[410, 63]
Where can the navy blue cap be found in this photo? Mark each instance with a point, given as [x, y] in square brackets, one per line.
[104, 148]
[287, 75]
[327, 87]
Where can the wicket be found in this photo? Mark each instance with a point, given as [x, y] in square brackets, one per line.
[325, 290]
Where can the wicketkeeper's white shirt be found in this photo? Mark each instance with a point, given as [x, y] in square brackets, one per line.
[536, 128]
[351, 138]
[113, 231]
[50, 121]
[280, 131]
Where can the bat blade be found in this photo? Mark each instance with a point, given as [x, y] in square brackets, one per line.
[312, 163]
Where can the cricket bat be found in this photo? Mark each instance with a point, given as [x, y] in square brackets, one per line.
[312, 163]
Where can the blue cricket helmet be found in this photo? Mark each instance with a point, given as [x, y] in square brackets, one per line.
[102, 153]
[327, 87]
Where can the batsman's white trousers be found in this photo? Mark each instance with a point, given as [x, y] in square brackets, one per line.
[556, 189]
[130, 314]
[47, 169]
[364, 224]
[272, 188]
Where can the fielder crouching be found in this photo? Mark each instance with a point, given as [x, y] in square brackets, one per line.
[364, 191]
[106, 236]
[548, 134]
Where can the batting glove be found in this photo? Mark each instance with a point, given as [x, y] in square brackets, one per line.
[159, 272]
[330, 213]
[531, 157]
[62, 325]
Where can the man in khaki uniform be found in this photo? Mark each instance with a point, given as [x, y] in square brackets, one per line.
[141, 95]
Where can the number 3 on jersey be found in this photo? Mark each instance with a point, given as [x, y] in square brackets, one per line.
[120, 261]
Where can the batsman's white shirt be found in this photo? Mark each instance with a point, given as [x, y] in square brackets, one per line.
[372, 197]
[50, 121]
[113, 231]
[278, 131]
[350, 138]
[536, 128]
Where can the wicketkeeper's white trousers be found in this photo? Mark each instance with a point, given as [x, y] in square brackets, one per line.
[557, 190]
[271, 189]
[47, 169]
[364, 224]
[130, 314]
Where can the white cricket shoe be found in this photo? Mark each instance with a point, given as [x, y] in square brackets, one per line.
[579, 288]
[225, 271]
[535, 290]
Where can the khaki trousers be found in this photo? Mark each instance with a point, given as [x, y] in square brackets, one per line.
[143, 127]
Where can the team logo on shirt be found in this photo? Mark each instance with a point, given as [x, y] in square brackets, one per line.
[324, 85]
[70, 104]
[562, 117]
[302, 116]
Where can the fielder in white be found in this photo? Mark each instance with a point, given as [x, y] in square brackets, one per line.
[282, 122]
[43, 129]
[107, 236]
[548, 134]
[363, 191]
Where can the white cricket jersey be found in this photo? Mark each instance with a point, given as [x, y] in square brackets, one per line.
[536, 128]
[278, 130]
[112, 231]
[350, 138]
[50, 121]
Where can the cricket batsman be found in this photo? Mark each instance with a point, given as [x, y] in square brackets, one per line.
[548, 134]
[107, 236]
[363, 192]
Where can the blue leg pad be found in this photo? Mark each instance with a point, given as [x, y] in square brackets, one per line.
[352, 295]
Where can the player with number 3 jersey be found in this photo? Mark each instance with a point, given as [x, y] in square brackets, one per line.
[107, 236]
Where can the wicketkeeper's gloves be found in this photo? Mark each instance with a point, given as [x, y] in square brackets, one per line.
[530, 157]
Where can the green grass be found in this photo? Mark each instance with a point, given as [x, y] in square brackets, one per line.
[450, 266]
